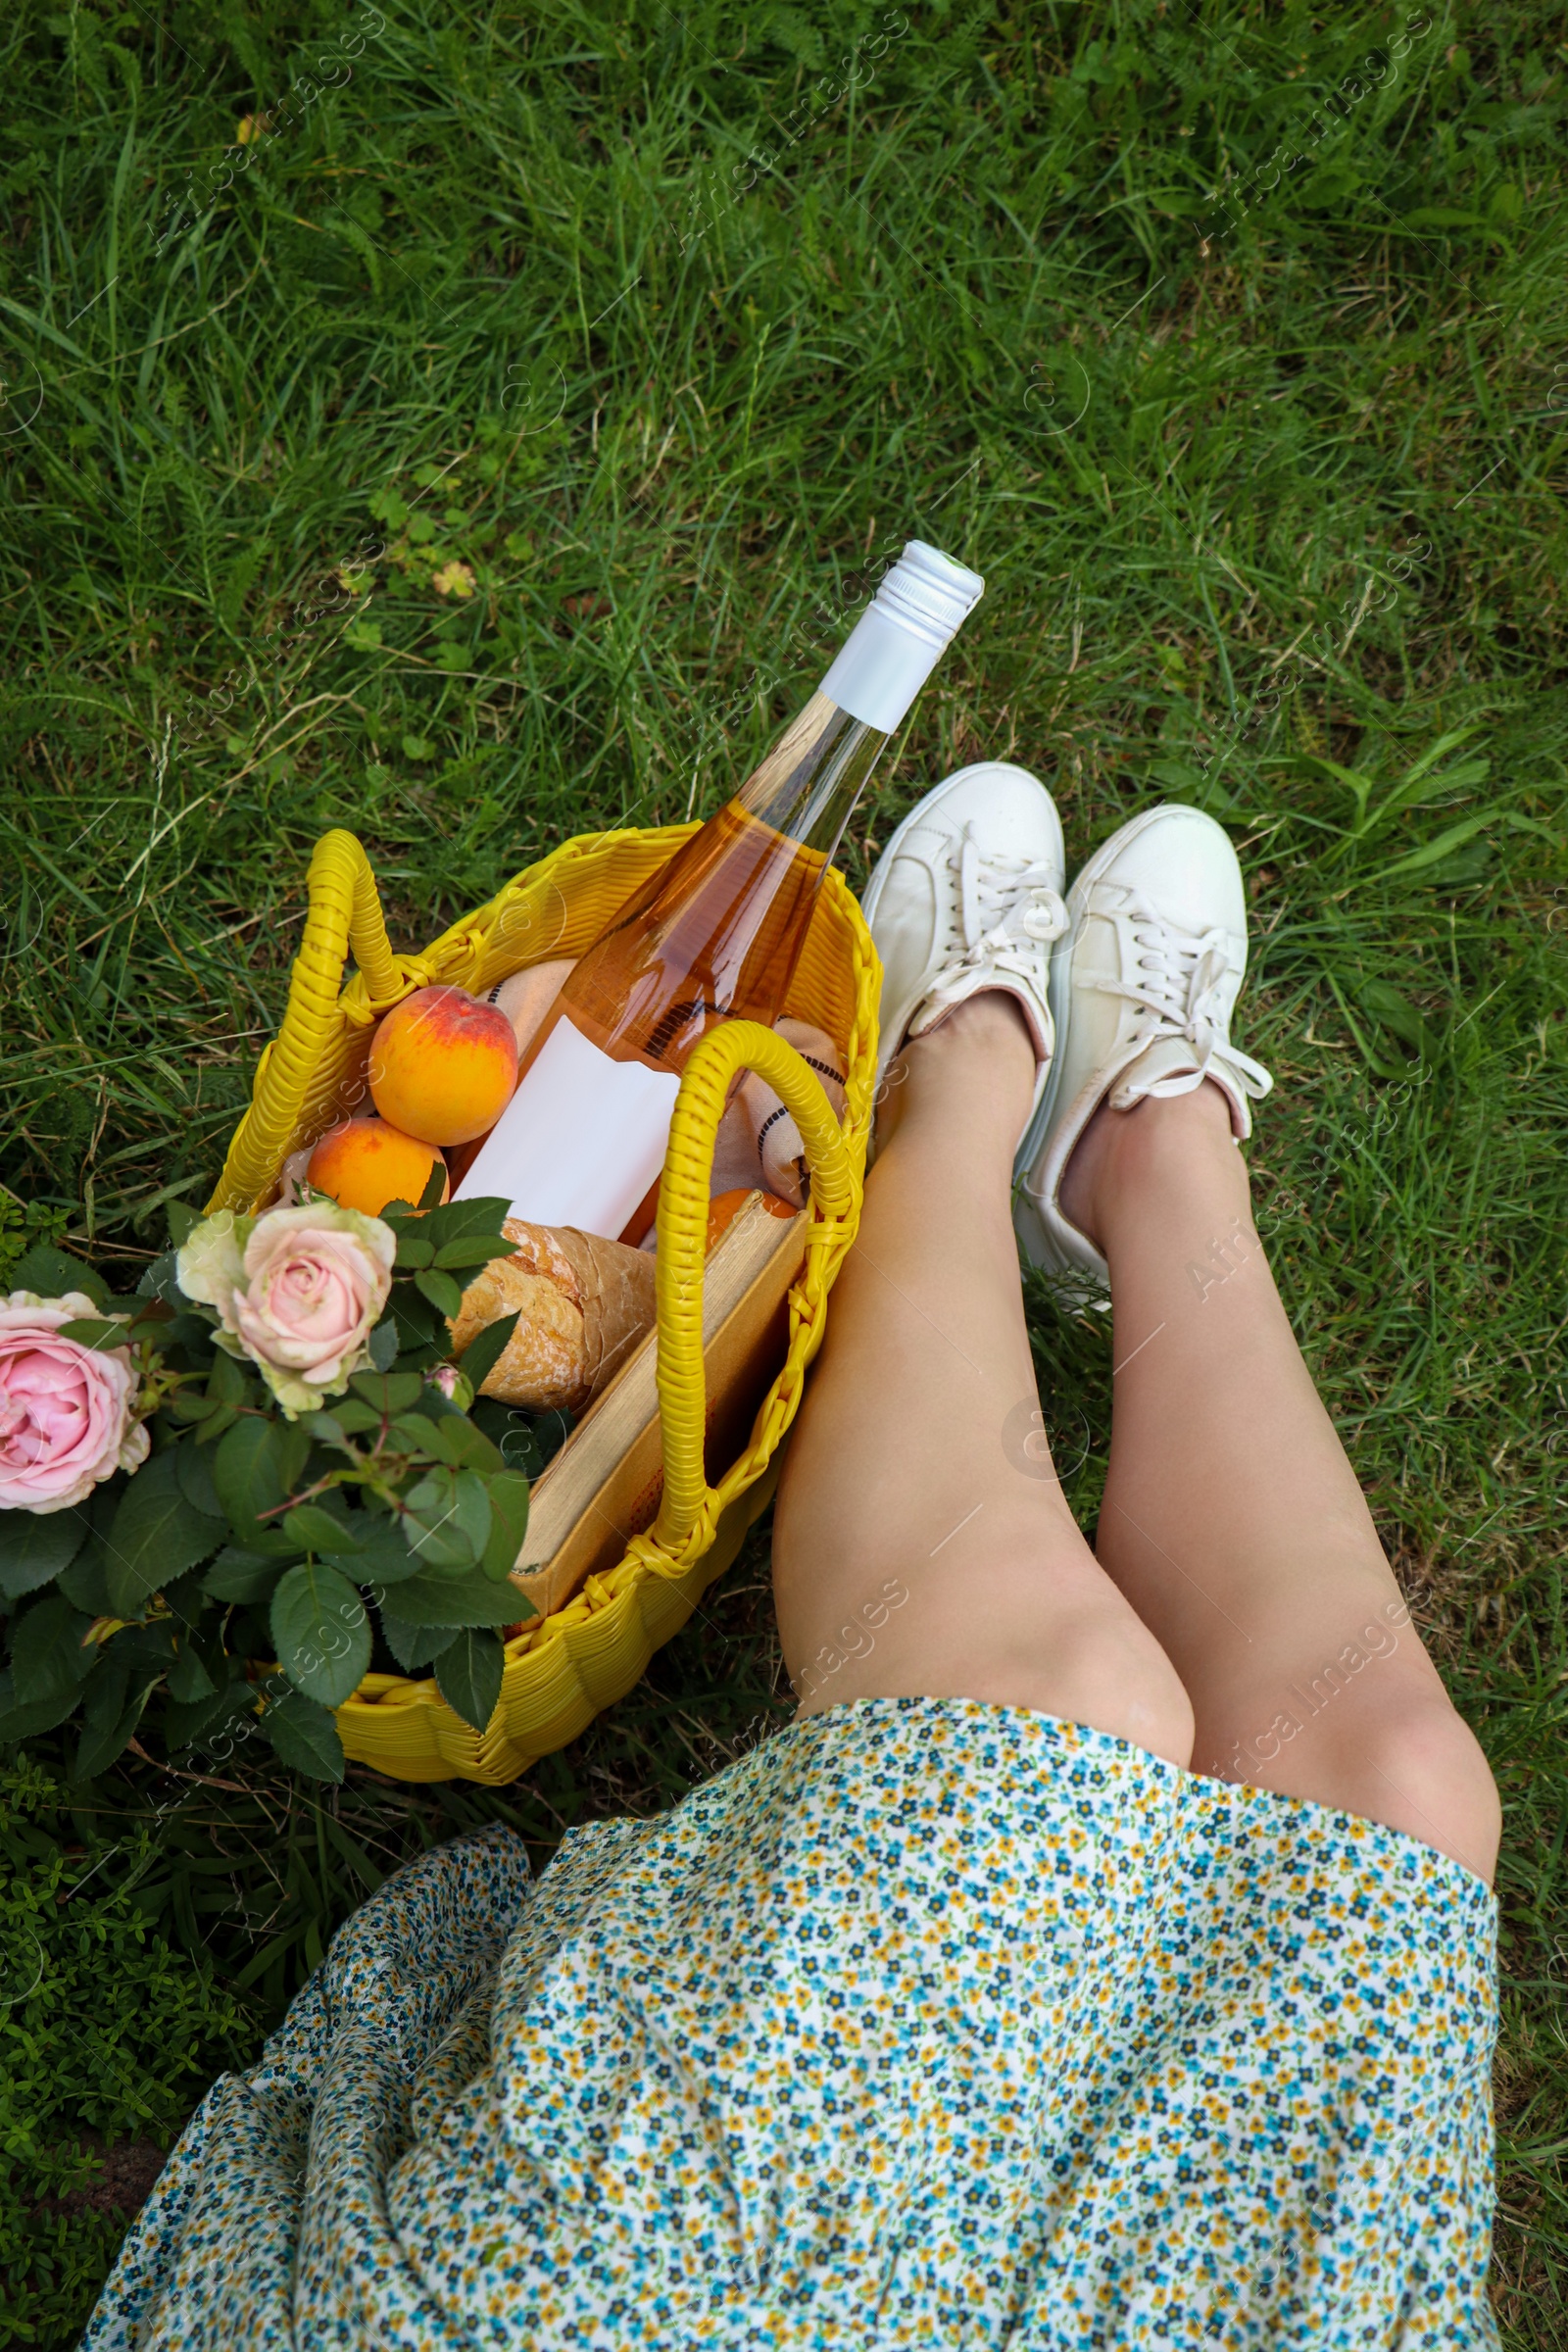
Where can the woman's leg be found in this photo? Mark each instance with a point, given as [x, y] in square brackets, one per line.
[1233, 1521]
[922, 1545]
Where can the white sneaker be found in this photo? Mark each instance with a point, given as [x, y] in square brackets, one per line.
[967, 896]
[1142, 991]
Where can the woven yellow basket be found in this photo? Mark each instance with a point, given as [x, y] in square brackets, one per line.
[561, 1670]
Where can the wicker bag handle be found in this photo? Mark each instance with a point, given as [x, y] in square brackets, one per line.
[343, 918]
[689, 1503]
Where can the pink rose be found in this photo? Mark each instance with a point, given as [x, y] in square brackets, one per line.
[66, 1412]
[297, 1290]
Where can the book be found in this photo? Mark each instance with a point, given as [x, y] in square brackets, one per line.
[603, 1487]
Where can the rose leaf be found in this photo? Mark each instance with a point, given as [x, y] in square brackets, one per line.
[444, 1294]
[321, 1632]
[440, 1597]
[382, 1345]
[390, 1393]
[415, 1645]
[156, 1536]
[385, 1558]
[35, 1546]
[314, 1529]
[447, 1518]
[50, 1274]
[508, 1524]
[304, 1736]
[256, 1467]
[195, 1472]
[485, 1350]
[110, 1717]
[469, 1675]
[47, 1657]
[241, 1578]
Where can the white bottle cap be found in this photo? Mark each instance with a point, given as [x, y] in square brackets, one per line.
[893, 647]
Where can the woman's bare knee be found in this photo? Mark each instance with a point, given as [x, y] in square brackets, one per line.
[1428, 1768]
[1081, 1654]
[1124, 1684]
[1418, 1767]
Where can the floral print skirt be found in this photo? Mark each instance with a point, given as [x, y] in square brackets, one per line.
[927, 2024]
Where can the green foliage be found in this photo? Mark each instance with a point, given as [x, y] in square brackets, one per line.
[258, 1464]
[149, 1586]
[485, 1350]
[106, 2034]
[507, 1494]
[28, 1262]
[453, 1596]
[157, 1535]
[305, 1736]
[447, 1518]
[320, 1632]
[36, 1548]
[468, 1672]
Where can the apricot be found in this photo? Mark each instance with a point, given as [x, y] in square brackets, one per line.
[363, 1163]
[723, 1209]
[443, 1065]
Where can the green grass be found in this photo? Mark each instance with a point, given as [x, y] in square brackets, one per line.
[451, 309]
[107, 2033]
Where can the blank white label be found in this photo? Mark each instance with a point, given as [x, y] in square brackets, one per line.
[583, 1139]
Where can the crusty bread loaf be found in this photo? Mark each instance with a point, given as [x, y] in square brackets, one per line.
[583, 1305]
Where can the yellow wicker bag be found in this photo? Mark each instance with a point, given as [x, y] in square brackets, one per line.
[563, 1669]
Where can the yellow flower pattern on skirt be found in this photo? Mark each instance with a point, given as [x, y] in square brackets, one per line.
[927, 2024]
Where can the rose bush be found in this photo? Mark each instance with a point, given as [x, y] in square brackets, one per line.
[273, 1452]
[66, 1412]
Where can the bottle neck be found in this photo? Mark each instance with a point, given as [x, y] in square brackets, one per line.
[808, 784]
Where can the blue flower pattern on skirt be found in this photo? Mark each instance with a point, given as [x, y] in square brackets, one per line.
[929, 2024]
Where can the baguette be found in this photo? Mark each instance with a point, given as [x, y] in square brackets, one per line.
[583, 1305]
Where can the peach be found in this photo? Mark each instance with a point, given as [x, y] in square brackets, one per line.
[363, 1163]
[443, 1065]
[723, 1209]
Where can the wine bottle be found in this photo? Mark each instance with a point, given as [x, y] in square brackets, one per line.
[715, 936]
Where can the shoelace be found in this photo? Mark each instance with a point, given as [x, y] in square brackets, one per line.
[1183, 975]
[1003, 898]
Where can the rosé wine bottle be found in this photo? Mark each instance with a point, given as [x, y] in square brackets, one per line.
[714, 936]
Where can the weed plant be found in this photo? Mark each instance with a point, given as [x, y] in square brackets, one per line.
[484, 436]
